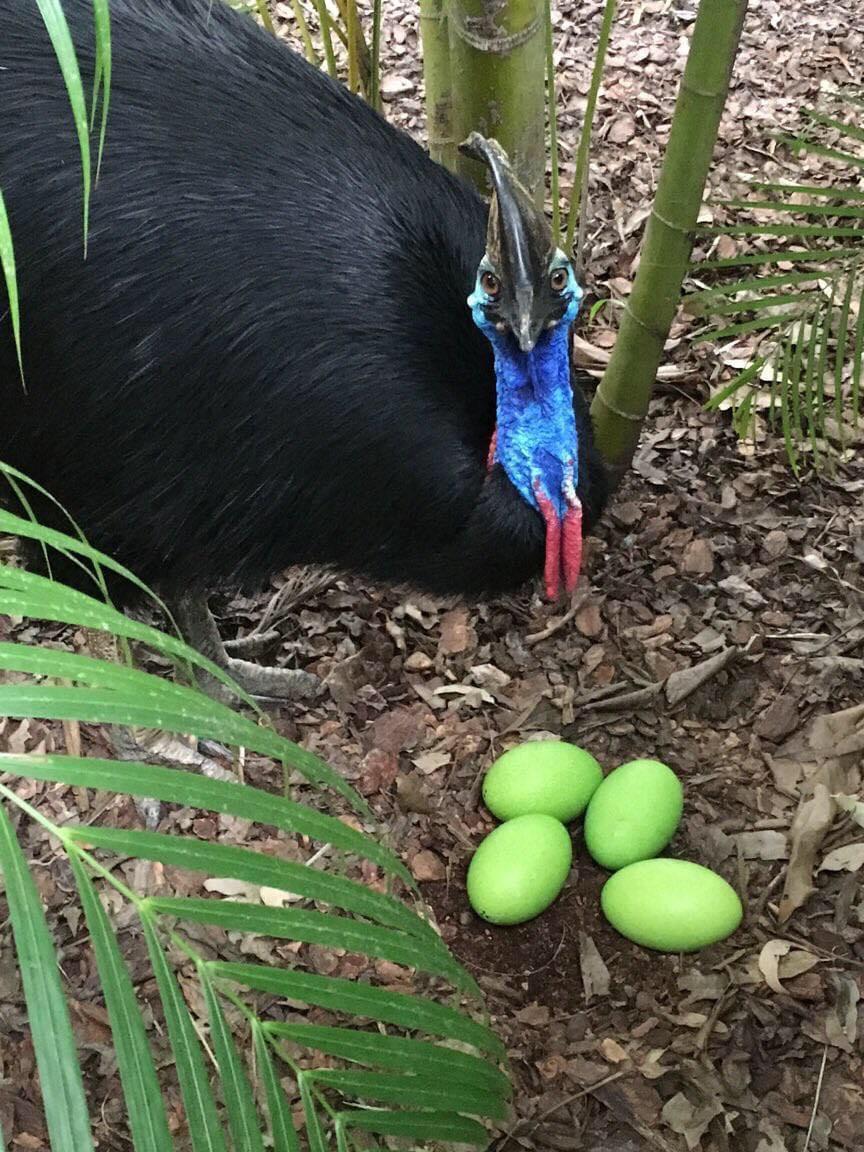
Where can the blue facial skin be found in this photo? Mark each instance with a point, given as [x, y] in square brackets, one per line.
[537, 440]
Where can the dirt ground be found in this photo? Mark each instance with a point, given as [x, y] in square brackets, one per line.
[719, 627]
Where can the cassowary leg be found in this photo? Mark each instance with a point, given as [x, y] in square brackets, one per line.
[199, 630]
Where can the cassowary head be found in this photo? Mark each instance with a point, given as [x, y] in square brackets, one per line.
[524, 301]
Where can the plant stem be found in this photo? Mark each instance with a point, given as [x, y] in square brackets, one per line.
[436, 74]
[621, 401]
[552, 111]
[497, 62]
[580, 179]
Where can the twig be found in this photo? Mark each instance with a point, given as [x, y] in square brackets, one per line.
[544, 1116]
[816, 1099]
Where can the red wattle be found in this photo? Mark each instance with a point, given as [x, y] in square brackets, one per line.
[571, 546]
[552, 569]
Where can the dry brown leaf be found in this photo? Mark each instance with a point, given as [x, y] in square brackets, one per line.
[698, 558]
[839, 733]
[812, 821]
[777, 962]
[456, 633]
[841, 1023]
[849, 858]
[764, 845]
[612, 1051]
[682, 684]
[596, 980]
[690, 1120]
[852, 805]
[425, 865]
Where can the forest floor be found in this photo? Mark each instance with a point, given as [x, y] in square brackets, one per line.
[710, 548]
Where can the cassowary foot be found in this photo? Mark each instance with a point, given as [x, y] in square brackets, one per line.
[153, 747]
[265, 684]
[253, 644]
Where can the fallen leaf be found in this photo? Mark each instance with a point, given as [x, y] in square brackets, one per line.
[489, 677]
[780, 720]
[401, 728]
[229, 887]
[622, 129]
[683, 683]
[764, 845]
[588, 620]
[852, 805]
[425, 865]
[839, 733]
[595, 975]
[849, 858]
[456, 633]
[689, 1120]
[698, 558]
[841, 1023]
[778, 962]
[612, 1051]
[812, 821]
[378, 771]
[429, 762]
[412, 795]
[534, 1015]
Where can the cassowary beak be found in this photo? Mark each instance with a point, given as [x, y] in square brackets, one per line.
[519, 250]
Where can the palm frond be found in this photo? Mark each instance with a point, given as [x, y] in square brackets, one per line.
[421, 1067]
[790, 316]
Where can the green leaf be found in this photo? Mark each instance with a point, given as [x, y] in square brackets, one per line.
[409, 1090]
[355, 999]
[325, 929]
[102, 79]
[236, 1089]
[187, 711]
[858, 357]
[815, 256]
[61, 40]
[792, 230]
[444, 1126]
[314, 1131]
[60, 1077]
[254, 868]
[145, 1110]
[7, 266]
[177, 786]
[282, 1133]
[778, 206]
[202, 1118]
[741, 380]
[399, 1053]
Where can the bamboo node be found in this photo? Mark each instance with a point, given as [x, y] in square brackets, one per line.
[669, 224]
[499, 45]
[632, 417]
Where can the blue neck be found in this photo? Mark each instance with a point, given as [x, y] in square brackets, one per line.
[537, 436]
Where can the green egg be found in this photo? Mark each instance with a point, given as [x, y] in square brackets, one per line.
[633, 814]
[671, 905]
[519, 869]
[548, 777]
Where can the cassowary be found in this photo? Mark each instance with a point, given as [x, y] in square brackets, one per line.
[294, 338]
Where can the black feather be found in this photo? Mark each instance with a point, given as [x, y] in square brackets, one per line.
[267, 357]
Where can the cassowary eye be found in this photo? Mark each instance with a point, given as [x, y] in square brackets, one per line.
[491, 285]
[558, 280]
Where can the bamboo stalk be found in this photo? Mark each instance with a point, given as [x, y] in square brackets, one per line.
[497, 62]
[621, 401]
[436, 74]
[580, 180]
[552, 112]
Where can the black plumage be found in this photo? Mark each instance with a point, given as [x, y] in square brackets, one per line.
[266, 357]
